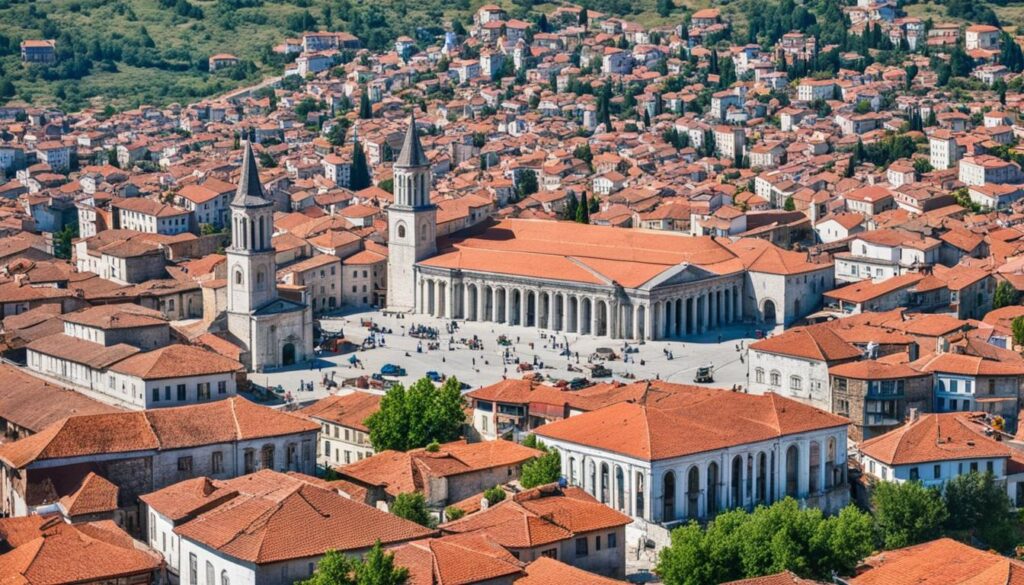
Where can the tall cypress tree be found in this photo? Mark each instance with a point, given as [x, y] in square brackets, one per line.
[583, 210]
[365, 111]
[359, 175]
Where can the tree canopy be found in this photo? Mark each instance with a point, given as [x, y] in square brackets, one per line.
[410, 418]
[413, 507]
[377, 567]
[907, 513]
[740, 544]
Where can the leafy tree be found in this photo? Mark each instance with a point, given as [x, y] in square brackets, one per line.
[378, 568]
[740, 544]
[977, 503]
[494, 495]
[359, 172]
[526, 185]
[410, 418]
[453, 513]
[1017, 326]
[413, 507]
[62, 240]
[543, 470]
[789, 204]
[1005, 295]
[570, 207]
[907, 513]
[334, 568]
[665, 8]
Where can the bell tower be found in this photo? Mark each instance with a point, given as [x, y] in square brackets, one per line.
[251, 264]
[412, 221]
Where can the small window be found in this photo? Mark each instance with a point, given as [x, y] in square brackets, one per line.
[185, 464]
[974, 466]
[217, 462]
[181, 392]
[597, 543]
[914, 474]
[222, 387]
[759, 375]
[990, 467]
[776, 379]
[613, 540]
[401, 231]
[936, 471]
[581, 547]
[156, 394]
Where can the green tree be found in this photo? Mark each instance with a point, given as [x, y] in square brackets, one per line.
[413, 507]
[62, 240]
[1017, 325]
[583, 210]
[526, 184]
[378, 568]
[365, 110]
[410, 418]
[1005, 295]
[907, 513]
[359, 172]
[740, 544]
[665, 8]
[334, 568]
[453, 513]
[542, 470]
[494, 495]
[978, 504]
[789, 204]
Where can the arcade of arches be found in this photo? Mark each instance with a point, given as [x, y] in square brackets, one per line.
[700, 486]
[664, 314]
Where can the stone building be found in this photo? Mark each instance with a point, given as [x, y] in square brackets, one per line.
[878, 396]
[585, 279]
[344, 437]
[147, 450]
[684, 452]
[273, 331]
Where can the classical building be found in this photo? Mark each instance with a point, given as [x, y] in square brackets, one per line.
[682, 452]
[585, 279]
[273, 331]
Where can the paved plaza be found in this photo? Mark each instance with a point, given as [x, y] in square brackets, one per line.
[674, 360]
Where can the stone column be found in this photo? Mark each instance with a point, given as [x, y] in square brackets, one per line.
[692, 311]
[593, 316]
[481, 303]
[714, 310]
[465, 302]
[508, 306]
[452, 305]
[705, 313]
[670, 317]
[738, 301]
[564, 317]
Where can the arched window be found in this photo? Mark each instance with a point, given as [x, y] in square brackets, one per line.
[401, 230]
[795, 383]
[775, 378]
[209, 574]
[224, 578]
[238, 277]
[423, 232]
[259, 279]
[759, 375]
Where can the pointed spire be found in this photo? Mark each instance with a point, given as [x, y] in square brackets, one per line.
[250, 189]
[412, 154]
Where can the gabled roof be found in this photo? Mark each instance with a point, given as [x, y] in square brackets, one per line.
[548, 571]
[286, 518]
[816, 342]
[96, 495]
[674, 420]
[931, 438]
[175, 361]
[349, 410]
[940, 562]
[223, 421]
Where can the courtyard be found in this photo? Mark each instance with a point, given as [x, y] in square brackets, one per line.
[553, 354]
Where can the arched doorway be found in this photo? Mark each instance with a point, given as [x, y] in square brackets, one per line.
[620, 489]
[814, 483]
[792, 470]
[640, 512]
[584, 316]
[712, 489]
[668, 494]
[288, 354]
[693, 493]
[605, 484]
[736, 483]
[602, 318]
[768, 312]
[762, 472]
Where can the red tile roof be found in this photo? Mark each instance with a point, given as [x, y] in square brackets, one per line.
[673, 420]
[933, 437]
[817, 342]
[940, 562]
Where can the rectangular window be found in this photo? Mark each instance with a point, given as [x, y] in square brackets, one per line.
[156, 395]
[552, 553]
[193, 569]
[597, 543]
[974, 466]
[181, 392]
[185, 464]
[612, 540]
[203, 391]
[936, 471]
[914, 476]
[990, 467]
[167, 392]
[217, 462]
[222, 387]
[581, 547]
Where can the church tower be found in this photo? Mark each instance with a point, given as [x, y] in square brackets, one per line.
[251, 263]
[412, 221]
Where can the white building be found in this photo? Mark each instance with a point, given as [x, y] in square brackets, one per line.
[141, 214]
[282, 524]
[983, 169]
[811, 90]
[683, 452]
[344, 436]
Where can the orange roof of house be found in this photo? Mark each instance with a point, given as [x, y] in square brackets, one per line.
[783, 578]
[95, 495]
[542, 515]
[933, 437]
[456, 559]
[866, 290]
[940, 562]
[275, 517]
[349, 410]
[175, 361]
[167, 428]
[816, 342]
[874, 370]
[673, 420]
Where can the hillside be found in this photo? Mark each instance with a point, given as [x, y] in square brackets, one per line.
[127, 52]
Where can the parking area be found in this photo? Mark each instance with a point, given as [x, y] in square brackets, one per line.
[553, 354]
